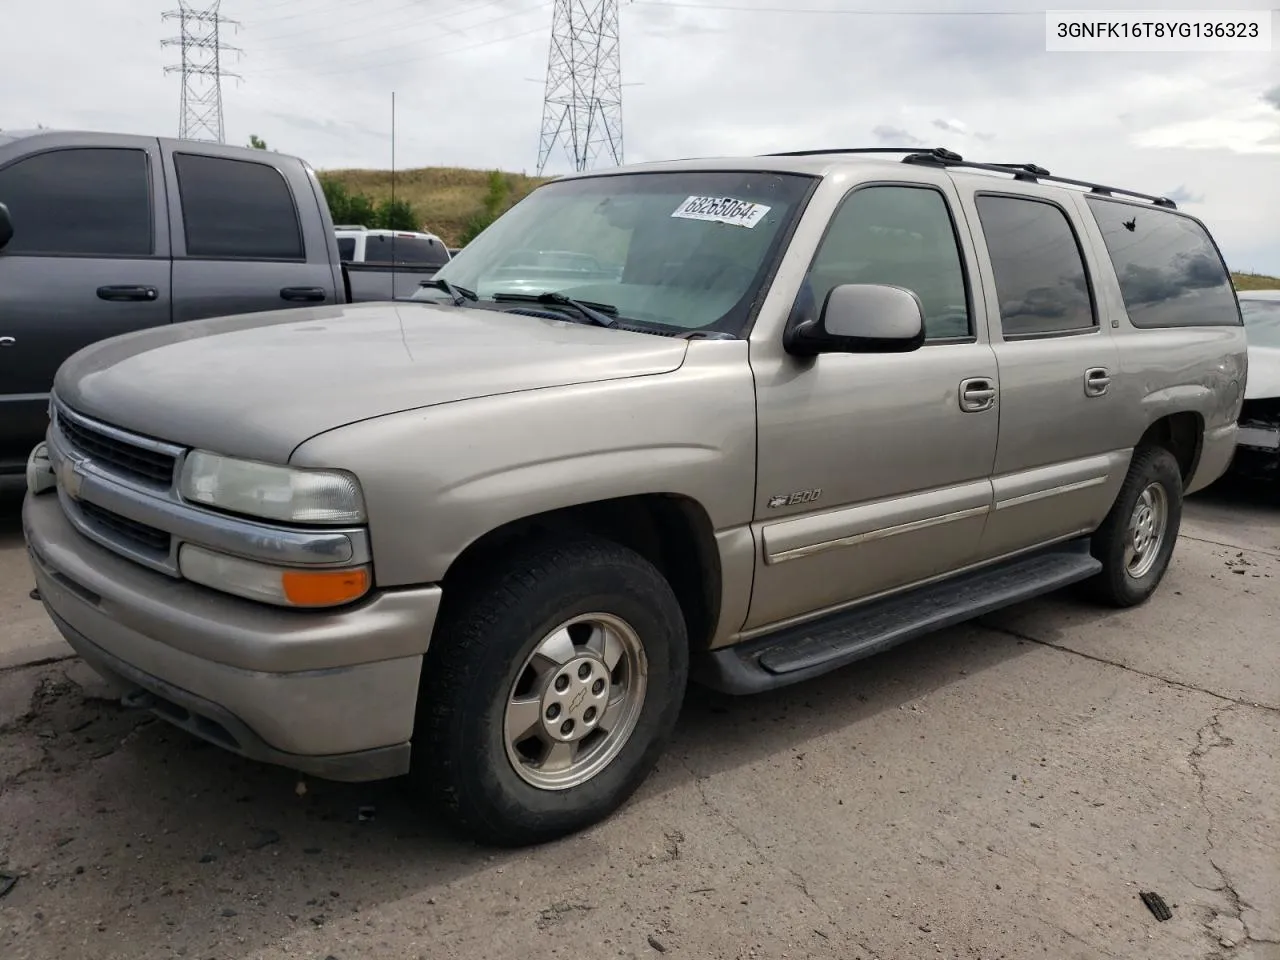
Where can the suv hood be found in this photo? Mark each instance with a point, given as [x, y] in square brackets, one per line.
[257, 385]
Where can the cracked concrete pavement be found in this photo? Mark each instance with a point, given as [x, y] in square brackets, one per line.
[1002, 790]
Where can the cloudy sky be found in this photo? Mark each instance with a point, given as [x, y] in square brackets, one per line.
[702, 77]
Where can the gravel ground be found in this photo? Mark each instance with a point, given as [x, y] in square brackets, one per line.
[999, 791]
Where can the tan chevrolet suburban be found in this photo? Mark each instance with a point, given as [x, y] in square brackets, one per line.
[740, 421]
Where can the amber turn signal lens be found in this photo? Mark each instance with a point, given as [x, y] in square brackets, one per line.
[323, 588]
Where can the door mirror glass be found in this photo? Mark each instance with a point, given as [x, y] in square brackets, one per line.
[862, 318]
[6, 226]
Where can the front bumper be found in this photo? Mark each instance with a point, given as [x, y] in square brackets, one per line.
[329, 693]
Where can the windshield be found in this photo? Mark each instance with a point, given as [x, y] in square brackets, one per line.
[688, 250]
[1261, 322]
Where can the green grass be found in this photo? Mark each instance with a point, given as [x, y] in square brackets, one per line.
[1255, 281]
[445, 198]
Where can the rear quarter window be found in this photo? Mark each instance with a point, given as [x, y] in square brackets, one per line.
[1171, 273]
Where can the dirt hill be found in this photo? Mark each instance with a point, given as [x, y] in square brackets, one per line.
[445, 198]
[1255, 281]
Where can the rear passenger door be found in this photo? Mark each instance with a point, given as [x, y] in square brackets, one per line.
[246, 234]
[1062, 451]
[89, 259]
[874, 470]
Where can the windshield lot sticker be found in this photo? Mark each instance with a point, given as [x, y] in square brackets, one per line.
[740, 213]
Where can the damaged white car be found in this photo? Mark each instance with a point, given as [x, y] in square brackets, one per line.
[1258, 439]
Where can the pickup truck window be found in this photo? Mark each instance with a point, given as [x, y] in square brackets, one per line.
[686, 250]
[901, 235]
[1040, 276]
[1170, 272]
[380, 248]
[237, 209]
[346, 248]
[92, 202]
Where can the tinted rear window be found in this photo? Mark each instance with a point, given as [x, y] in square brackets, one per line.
[346, 247]
[406, 250]
[1170, 273]
[80, 201]
[1039, 270]
[237, 209]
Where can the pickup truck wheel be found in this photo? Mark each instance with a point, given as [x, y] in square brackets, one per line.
[549, 690]
[1136, 540]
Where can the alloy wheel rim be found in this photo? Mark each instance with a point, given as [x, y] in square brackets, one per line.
[575, 701]
[1145, 534]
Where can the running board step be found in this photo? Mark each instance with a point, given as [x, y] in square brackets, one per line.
[809, 650]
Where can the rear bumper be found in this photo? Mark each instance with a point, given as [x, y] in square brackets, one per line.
[332, 694]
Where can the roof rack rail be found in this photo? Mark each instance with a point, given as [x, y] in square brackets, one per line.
[941, 153]
[1027, 172]
[1031, 173]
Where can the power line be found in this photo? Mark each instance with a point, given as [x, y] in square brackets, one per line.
[865, 11]
[431, 55]
[419, 43]
[329, 21]
[841, 11]
[200, 113]
[582, 106]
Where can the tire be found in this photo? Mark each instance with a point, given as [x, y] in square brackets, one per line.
[1126, 584]
[462, 760]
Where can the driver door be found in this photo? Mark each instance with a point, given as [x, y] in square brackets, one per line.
[875, 469]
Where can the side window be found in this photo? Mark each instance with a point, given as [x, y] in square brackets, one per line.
[1039, 271]
[900, 235]
[346, 247]
[1169, 271]
[237, 209]
[93, 202]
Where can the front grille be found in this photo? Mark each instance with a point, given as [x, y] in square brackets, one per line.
[119, 528]
[138, 463]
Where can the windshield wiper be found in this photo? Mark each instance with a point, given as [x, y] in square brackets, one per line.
[460, 295]
[600, 314]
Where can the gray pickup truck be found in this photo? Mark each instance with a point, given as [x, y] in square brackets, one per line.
[102, 234]
[794, 409]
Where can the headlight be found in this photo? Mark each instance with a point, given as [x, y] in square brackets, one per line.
[284, 586]
[271, 492]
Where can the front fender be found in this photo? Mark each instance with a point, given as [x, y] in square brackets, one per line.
[437, 480]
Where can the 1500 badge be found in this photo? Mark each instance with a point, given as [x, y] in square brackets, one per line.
[794, 499]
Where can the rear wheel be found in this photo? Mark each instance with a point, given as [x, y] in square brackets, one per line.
[549, 689]
[1136, 540]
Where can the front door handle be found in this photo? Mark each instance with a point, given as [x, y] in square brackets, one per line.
[977, 394]
[1097, 380]
[127, 291]
[7, 341]
[303, 294]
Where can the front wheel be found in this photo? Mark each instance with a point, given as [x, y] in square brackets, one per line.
[549, 689]
[1136, 540]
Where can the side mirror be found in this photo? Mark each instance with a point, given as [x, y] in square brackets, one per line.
[861, 318]
[6, 226]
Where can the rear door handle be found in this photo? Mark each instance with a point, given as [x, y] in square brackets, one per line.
[977, 394]
[1097, 380]
[303, 294]
[7, 341]
[127, 291]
